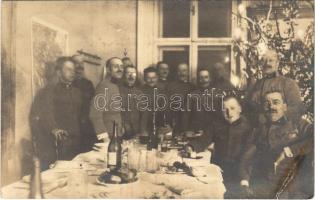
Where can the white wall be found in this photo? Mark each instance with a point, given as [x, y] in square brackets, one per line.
[104, 28]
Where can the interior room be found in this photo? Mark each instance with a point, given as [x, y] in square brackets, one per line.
[200, 33]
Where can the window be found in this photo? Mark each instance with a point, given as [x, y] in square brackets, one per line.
[196, 32]
[176, 19]
[214, 18]
[174, 56]
[209, 55]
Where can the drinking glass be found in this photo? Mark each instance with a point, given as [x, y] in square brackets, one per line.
[133, 158]
[152, 161]
[143, 160]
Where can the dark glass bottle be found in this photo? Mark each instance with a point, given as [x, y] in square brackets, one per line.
[153, 137]
[114, 151]
[36, 191]
[164, 120]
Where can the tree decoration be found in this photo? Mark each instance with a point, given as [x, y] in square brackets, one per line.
[277, 29]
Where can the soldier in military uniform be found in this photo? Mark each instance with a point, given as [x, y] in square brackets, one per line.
[102, 113]
[222, 86]
[131, 114]
[149, 89]
[163, 73]
[87, 91]
[182, 87]
[200, 110]
[126, 62]
[280, 148]
[273, 81]
[56, 116]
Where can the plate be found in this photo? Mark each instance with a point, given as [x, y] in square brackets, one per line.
[109, 178]
[196, 158]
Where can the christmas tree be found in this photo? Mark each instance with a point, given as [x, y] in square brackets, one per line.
[277, 29]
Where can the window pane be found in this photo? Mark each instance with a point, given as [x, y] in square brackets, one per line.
[214, 18]
[175, 56]
[176, 19]
[209, 56]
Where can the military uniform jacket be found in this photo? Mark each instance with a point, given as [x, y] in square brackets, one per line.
[102, 109]
[201, 111]
[289, 89]
[87, 91]
[131, 114]
[56, 106]
[146, 124]
[229, 140]
[179, 117]
[270, 141]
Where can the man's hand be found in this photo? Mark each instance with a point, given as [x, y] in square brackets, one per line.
[278, 161]
[103, 137]
[287, 152]
[199, 133]
[188, 149]
[280, 158]
[189, 133]
[244, 183]
[164, 130]
[60, 134]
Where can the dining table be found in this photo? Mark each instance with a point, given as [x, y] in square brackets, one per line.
[64, 179]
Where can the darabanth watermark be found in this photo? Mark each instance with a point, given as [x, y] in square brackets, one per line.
[204, 101]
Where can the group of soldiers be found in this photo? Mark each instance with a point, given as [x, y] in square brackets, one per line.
[261, 142]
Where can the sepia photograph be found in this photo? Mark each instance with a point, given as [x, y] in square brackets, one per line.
[157, 99]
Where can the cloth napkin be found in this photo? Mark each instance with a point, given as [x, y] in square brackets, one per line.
[209, 183]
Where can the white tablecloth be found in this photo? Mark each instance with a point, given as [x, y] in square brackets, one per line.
[158, 185]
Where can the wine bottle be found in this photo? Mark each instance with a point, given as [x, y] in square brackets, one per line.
[164, 120]
[123, 130]
[153, 138]
[114, 151]
[36, 191]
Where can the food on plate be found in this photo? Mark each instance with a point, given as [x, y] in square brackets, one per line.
[118, 177]
[180, 167]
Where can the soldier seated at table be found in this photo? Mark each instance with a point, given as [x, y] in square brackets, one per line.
[281, 156]
[227, 142]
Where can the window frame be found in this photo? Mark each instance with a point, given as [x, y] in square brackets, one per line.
[158, 42]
